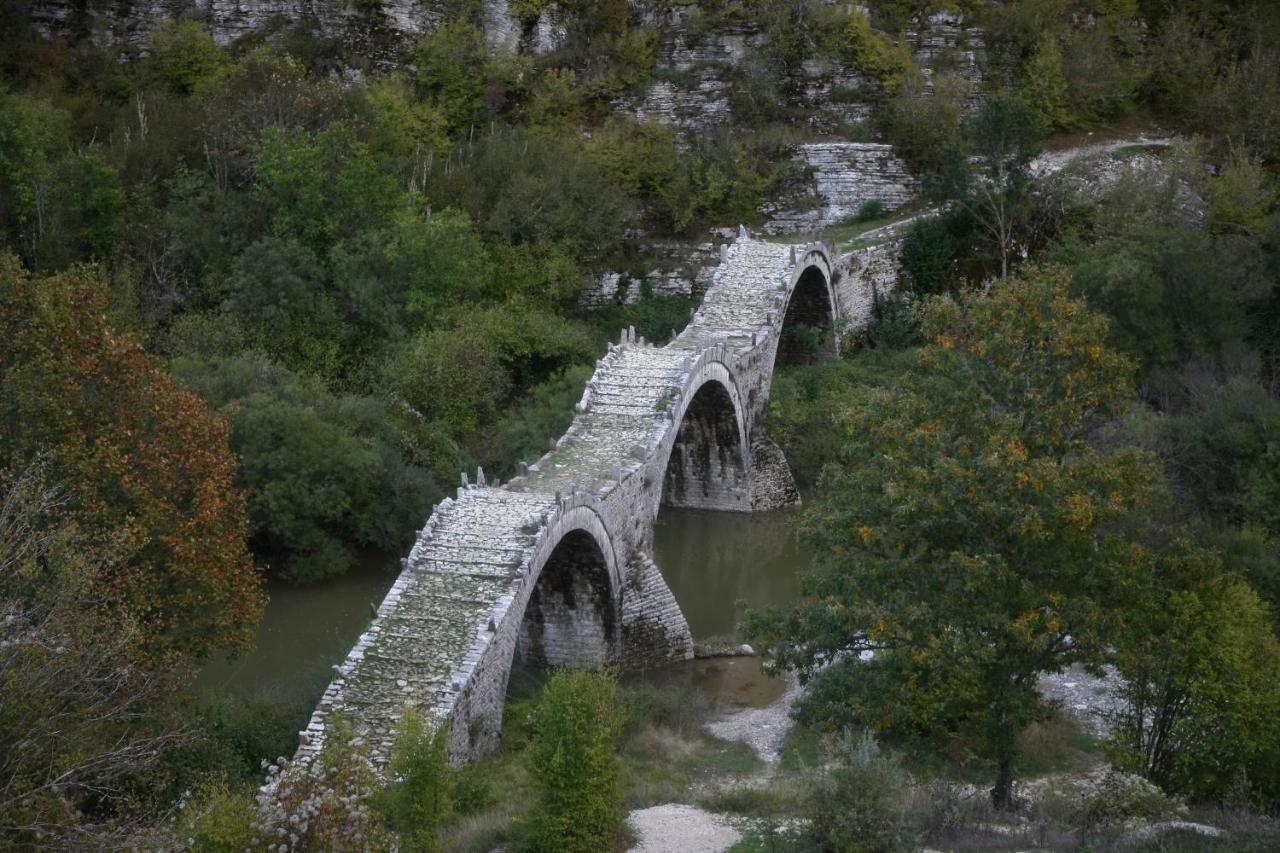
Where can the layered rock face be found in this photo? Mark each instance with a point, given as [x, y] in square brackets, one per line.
[846, 175]
[379, 30]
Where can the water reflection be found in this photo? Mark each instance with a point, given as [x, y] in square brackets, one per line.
[304, 632]
[713, 560]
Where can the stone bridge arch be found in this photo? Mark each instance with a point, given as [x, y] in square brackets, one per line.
[811, 305]
[566, 611]
[556, 565]
[706, 462]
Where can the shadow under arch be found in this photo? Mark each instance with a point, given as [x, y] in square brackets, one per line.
[570, 618]
[808, 332]
[707, 465]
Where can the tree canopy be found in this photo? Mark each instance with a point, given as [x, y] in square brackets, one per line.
[972, 535]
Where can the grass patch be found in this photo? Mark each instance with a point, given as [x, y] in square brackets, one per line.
[802, 751]
[1057, 745]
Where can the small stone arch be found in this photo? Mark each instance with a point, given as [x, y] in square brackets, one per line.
[811, 305]
[707, 462]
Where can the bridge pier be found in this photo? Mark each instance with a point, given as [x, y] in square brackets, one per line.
[555, 566]
[772, 484]
[654, 630]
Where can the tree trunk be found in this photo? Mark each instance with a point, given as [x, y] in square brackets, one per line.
[1002, 793]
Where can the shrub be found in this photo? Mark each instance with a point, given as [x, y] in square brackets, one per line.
[1202, 693]
[228, 739]
[934, 252]
[326, 473]
[858, 806]
[573, 760]
[218, 819]
[921, 121]
[420, 798]
[872, 208]
[325, 806]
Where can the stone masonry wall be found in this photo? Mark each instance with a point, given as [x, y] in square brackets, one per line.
[654, 630]
[862, 274]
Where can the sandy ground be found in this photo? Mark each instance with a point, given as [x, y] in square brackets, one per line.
[762, 729]
[677, 828]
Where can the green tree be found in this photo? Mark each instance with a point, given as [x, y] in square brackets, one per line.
[923, 118]
[452, 65]
[573, 760]
[325, 474]
[1174, 292]
[1044, 83]
[1220, 451]
[322, 187]
[988, 175]
[280, 291]
[1201, 670]
[970, 536]
[420, 798]
[185, 58]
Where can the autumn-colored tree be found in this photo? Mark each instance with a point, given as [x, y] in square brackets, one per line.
[141, 456]
[971, 535]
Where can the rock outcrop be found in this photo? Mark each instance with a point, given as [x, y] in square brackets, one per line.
[846, 175]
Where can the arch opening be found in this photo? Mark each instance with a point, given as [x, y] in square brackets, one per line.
[570, 619]
[706, 469]
[808, 327]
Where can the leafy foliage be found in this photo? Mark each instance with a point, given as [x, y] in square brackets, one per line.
[148, 460]
[572, 757]
[987, 174]
[1201, 664]
[970, 526]
[857, 807]
[419, 800]
[75, 692]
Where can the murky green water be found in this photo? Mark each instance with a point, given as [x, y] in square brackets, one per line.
[305, 631]
[712, 561]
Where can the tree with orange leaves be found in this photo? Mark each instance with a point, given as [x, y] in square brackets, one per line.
[143, 459]
[973, 535]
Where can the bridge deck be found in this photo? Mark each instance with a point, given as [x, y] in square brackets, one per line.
[476, 554]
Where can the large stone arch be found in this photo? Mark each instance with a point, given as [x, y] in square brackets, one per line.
[706, 463]
[576, 525]
[571, 618]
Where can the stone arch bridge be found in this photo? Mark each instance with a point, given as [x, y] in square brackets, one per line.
[554, 566]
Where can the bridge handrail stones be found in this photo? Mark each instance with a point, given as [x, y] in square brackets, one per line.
[445, 634]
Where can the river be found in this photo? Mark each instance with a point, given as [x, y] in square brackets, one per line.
[711, 560]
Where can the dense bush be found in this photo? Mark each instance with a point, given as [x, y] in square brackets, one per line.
[1221, 450]
[574, 764]
[420, 797]
[1202, 665]
[324, 473]
[859, 805]
[806, 402]
[938, 253]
